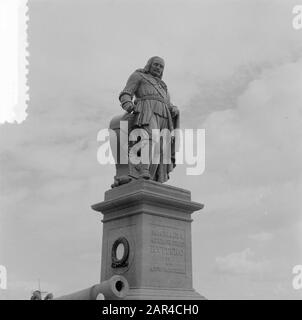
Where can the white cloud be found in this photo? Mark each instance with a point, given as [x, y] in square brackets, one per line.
[243, 262]
[253, 175]
[258, 144]
[262, 236]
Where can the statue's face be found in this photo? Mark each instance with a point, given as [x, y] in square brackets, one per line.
[157, 67]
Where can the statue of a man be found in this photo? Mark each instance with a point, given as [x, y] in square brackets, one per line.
[146, 98]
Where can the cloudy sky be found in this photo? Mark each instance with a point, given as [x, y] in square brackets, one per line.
[233, 67]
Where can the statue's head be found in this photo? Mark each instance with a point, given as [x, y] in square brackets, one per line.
[155, 66]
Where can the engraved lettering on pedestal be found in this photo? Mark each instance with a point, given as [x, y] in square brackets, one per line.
[167, 248]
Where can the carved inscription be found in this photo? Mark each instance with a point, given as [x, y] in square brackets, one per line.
[167, 248]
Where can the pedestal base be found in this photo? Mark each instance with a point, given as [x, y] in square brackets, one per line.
[147, 239]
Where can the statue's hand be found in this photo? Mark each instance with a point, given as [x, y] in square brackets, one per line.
[174, 111]
[128, 106]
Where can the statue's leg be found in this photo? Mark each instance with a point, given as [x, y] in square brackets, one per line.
[139, 161]
[146, 149]
[147, 169]
[144, 167]
[161, 152]
[153, 165]
[156, 154]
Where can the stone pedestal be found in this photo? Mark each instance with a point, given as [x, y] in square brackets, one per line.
[147, 239]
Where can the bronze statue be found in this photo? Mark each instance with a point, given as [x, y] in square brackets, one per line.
[151, 109]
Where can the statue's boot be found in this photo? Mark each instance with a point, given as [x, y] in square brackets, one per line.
[146, 157]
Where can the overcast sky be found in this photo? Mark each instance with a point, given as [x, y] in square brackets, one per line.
[233, 67]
